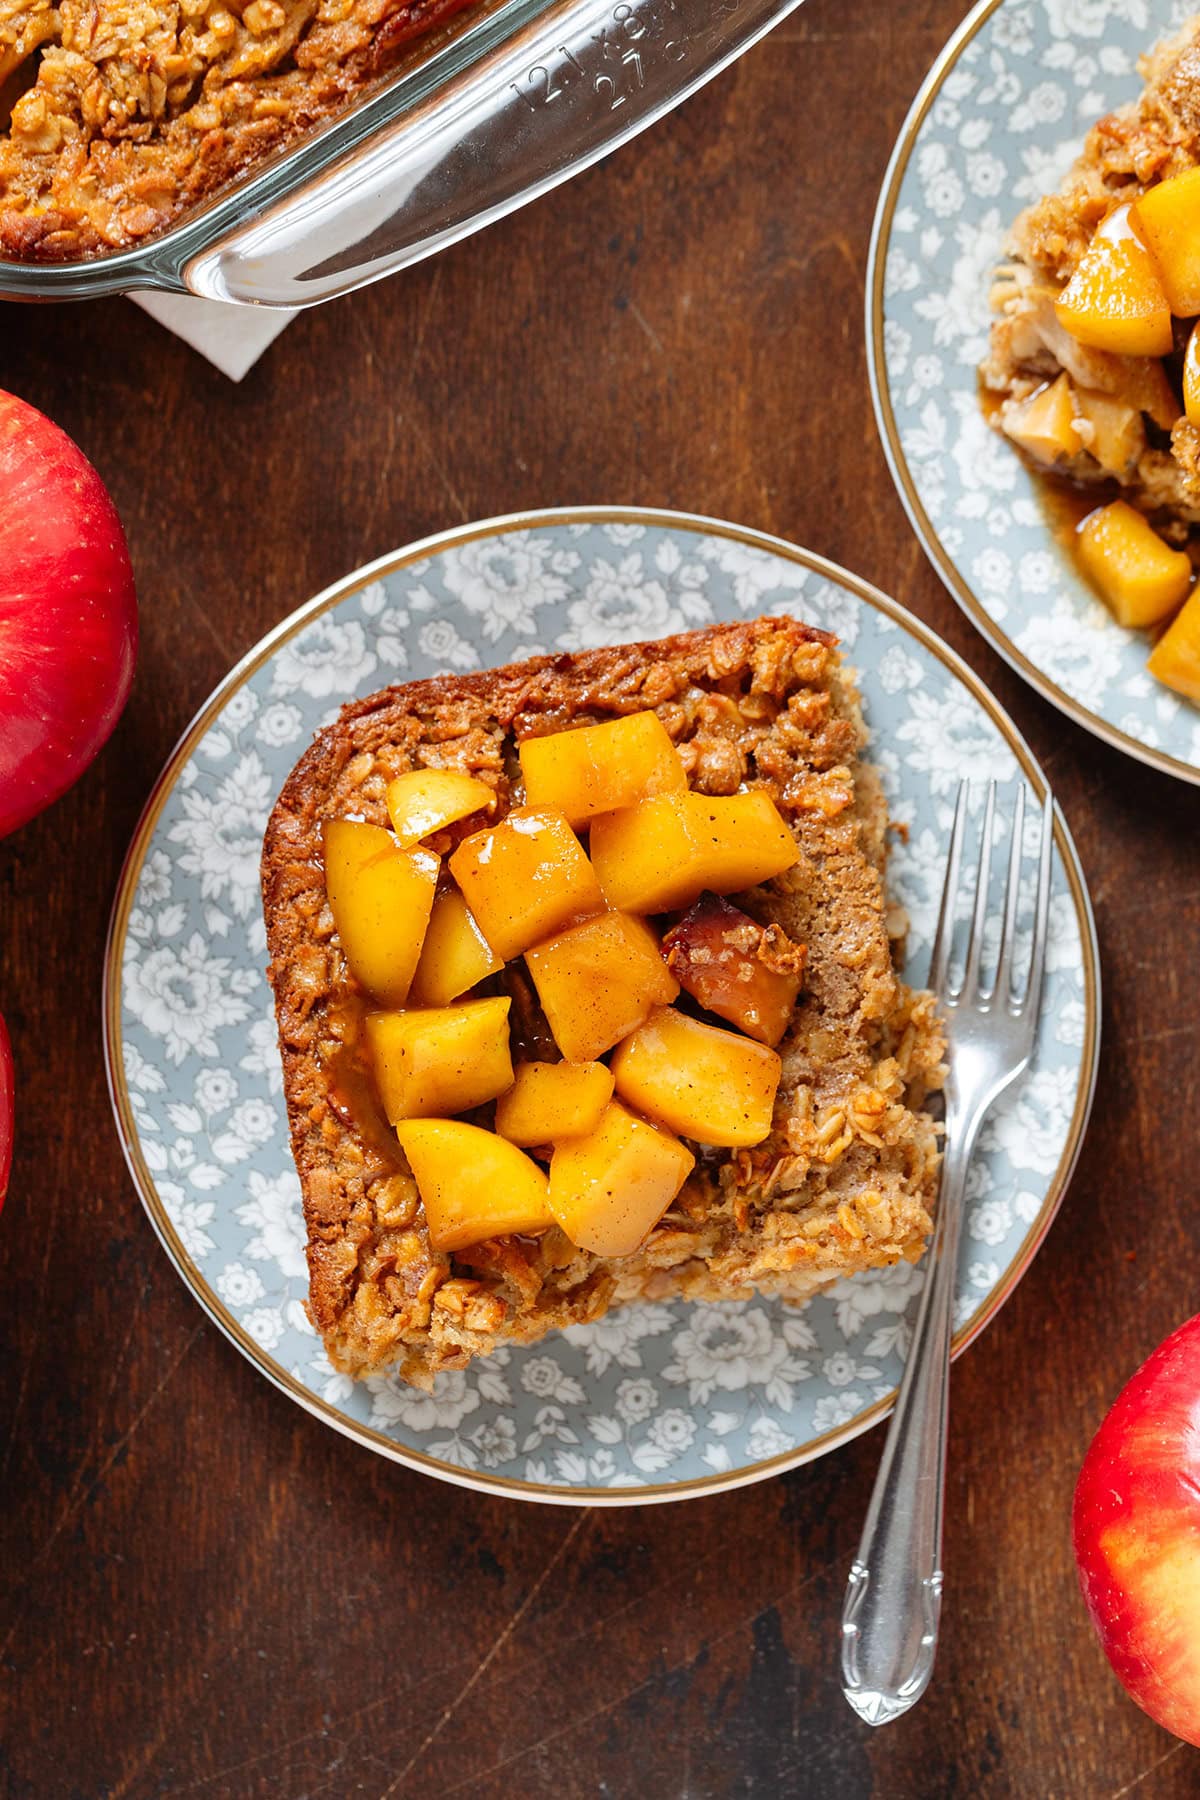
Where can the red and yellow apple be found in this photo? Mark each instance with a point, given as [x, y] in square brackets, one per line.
[1137, 1534]
[68, 615]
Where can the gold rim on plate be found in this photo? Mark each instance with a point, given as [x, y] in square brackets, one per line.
[123, 903]
[885, 418]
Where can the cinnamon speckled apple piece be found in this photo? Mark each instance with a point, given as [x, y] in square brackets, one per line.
[731, 965]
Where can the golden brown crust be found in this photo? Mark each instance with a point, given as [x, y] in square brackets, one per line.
[1152, 138]
[135, 110]
[846, 1179]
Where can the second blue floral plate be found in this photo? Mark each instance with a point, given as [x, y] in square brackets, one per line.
[998, 122]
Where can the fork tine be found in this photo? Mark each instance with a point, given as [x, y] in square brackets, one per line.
[982, 883]
[939, 961]
[1032, 999]
[1012, 894]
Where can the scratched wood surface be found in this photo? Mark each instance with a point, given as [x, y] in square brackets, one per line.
[203, 1591]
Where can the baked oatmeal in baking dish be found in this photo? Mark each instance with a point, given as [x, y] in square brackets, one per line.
[117, 115]
[586, 995]
[1093, 368]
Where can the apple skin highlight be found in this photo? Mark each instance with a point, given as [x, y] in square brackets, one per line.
[1136, 1530]
[68, 613]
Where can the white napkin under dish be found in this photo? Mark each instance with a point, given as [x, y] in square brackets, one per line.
[231, 337]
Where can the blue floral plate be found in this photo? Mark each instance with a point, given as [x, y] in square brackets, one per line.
[658, 1401]
[997, 123]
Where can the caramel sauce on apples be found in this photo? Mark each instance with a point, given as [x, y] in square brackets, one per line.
[529, 1029]
[990, 402]
[1065, 506]
[352, 1091]
[1064, 503]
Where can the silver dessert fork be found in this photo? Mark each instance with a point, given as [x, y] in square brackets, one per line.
[894, 1594]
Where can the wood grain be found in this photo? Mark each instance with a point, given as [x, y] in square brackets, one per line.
[204, 1592]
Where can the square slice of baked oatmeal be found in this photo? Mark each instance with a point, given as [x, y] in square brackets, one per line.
[846, 1178]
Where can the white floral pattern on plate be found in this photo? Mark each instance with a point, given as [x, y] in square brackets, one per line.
[658, 1396]
[1003, 115]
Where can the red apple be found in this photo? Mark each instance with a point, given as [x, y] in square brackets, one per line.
[68, 614]
[6, 1109]
[1137, 1534]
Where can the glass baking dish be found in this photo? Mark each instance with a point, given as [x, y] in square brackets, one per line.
[510, 101]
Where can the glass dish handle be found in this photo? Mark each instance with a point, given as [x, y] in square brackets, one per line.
[548, 99]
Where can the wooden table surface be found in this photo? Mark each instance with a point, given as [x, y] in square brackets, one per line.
[206, 1592]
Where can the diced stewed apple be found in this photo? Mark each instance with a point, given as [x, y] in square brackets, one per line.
[381, 898]
[598, 768]
[427, 800]
[1140, 578]
[1111, 430]
[526, 878]
[1147, 386]
[664, 852]
[455, 955]
[473, 1184]
[1191, 377]
[1175, 659]
[1167, 219]
[711, 1085]
[1044, 425]
[743, 839]
[609, 1190]
[598, 981]
[745, 972]
[440, 1059]
[552, 1101]
[1115, 300]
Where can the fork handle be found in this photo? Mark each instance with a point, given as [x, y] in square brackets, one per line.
[893, 1597]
